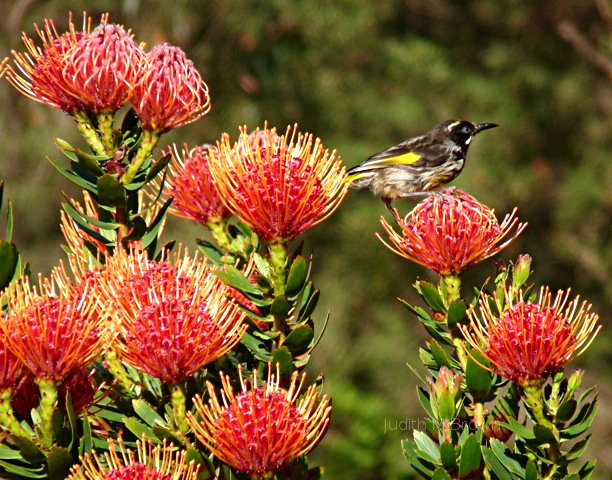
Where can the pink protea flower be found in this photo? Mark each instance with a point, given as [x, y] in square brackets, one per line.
[262, 428]
[41, 70]
[451, 233]
[102, 68]
[149, 462]
[279, 185]
[527, 341]
[191, 186]
[171, 318]
[169, 92]
[52, 335]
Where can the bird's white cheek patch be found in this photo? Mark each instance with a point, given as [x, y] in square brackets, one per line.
[467, 142]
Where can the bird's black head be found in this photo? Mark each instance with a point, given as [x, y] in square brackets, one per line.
[461, 132]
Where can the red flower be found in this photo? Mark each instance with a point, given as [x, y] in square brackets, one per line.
[41, 76]
[169, 92]
[11, 369]
[53, 336]
[149, 462]
[103, 67]
[528, 341]
[172, 318]
[191, 186]
[278, 185]
[451, 233]
[262, 428]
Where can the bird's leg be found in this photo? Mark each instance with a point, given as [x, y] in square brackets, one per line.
[393, 211]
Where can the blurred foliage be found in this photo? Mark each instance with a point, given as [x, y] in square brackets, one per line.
[364, 76]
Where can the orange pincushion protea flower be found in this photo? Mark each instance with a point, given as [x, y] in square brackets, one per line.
[172, 318]
[191, 186]
[169, 92]
[53, 335]
[451, 233]
[102, 68]
[528, 341]
[278, 185]
[11, 369]
[262, 428]
[150, 462]
[41, 76]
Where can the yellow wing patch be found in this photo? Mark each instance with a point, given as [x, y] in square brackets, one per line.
[405, 159]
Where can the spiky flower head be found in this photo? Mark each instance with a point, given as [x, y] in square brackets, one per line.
[53, 333]
[169, 92]
[172, 317]
[262, 428]
[278, 185]
[191, 186]
[450, 233]
[527, 341]
[39, 72]
[11, 369]
[103, 67]
[149, 462]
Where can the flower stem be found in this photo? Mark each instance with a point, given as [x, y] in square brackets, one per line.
[278, 259]
[453, 287]
[179, 407]
[217, 229]
[7, 416]
[46, 407]
[149, 140]
[89, 133]
[105, 127]
[115, 367]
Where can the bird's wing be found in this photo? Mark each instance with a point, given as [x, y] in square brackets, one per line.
[402, 154]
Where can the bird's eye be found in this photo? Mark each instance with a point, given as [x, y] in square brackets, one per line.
[466, 130]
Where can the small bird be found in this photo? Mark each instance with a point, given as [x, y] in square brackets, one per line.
[417, 165]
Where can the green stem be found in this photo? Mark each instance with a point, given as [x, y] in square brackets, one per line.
[278, 259]
[453, 287]
[46, 407]
[105, 127]
[535, 402]
[7, 416]
[479, 414]
[122, 217]
[178, 400]
[149, 140]
[117, 370]
[462, 355]
[89, 133]
[217, 229]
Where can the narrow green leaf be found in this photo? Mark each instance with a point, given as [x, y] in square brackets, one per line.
[531, 471]
[457, 314]
[448, 457]
[298, 273]
[424, 398]
[8, 231]
[111, 192]
[503, 454]
[59, 461]
[83, 219]
[146, 412]
[566, 410]
[256, 347]
[85, 441]
[28, 449]
[439, 354]
[280, 306]
[159, 165]
[299, 339]
[137, 427]
[139, 228]
[495, 465]
[577, 449]
[471, 457]
[582, 422]
[516, 427]
[427, 449]
[587, 470]
[309, 306]
[210, 251]
[424, 468]
[283, 357]
[440, 474]
[163, 433]
[477, 379]
[261, 264]
[73, 177]
[234, 277]
[430, 294]
[8, 263]
[7, 453]
[24, 472]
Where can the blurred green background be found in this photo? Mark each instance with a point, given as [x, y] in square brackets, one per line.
[364, 76]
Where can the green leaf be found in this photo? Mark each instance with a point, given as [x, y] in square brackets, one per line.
[430, 294]
[59, 461]
[234, 277]
[566, 410]
[111, 192]
[427, 449]
[156, 225]
[516, 427]
[137, 427]
[85, 441]
[139, 228]
[531, 471]
[477, 379]
[424, 468]
[503, 454]
[280, 307]
[299, 339]
[7, 453]
[543, 434]
[28, 449]
[577, 449]
[88, 163]
[73, 177]
[25, 472]
[587, 470]
[86, 220]
[309, 306]
[256, 347]
[457, 314]
[448, 457]
[8, 263]
[159, 165]
[261, 264]
[439, 354]
[283, 357]
[440, 474]
[471, 457]
[582, 422]
[146, 412]
[164, 433]
[298, 273]
[210, 251]
[424, 398]
[494, 464]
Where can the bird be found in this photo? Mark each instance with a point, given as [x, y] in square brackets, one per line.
[418, 165]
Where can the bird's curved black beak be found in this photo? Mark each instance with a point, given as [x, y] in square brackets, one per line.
[484, 126]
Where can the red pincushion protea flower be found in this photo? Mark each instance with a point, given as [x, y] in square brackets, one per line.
[172, 318]
[527, 341]
[151, 462]
[41, 76]
[102, 68]
[11, 369]
[191, 186]
[451, 233]
[52, 336]
[262, 428]
[279, 185]
[169, 92]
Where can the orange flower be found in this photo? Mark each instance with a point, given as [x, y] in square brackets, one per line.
[262, 428]
[41, 76]
[528, 341]
[150, 462]
[102, 68]
[451, 233]
[11, 370]
[53, 335]
[169, 92]
[172, 318]
[278, 185]
[191, 186]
